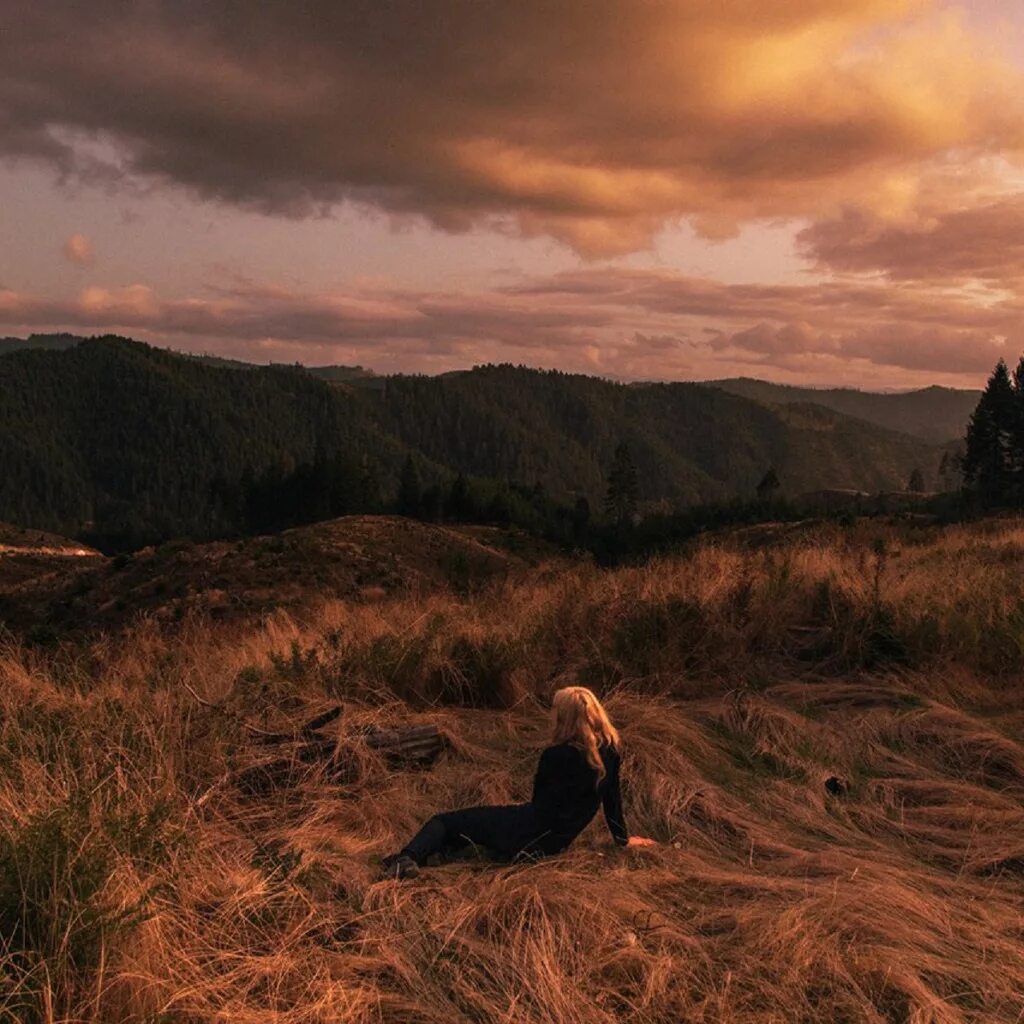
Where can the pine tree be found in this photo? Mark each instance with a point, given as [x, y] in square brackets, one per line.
[368, 486]
[915, 485]
[431, 507]
[769, 486]
[623, 486]
[990, 464]
[1016, 431]
[580, 516]
[945, 472]
[410, 493]
[951, 470]
[459, 503]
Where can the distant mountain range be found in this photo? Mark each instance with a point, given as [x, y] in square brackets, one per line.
[62, 342]
[933, 414]
[107, 433]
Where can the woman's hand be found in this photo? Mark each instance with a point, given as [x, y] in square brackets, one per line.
[635, 841]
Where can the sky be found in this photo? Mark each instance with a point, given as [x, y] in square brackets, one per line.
[828, 192]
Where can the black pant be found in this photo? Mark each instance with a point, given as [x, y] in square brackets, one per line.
[508, 831]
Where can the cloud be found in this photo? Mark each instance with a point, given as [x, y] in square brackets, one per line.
[631, 324]
[981, 242]
[78, 250]
[934, 350]
[777, 340]
[596, 123]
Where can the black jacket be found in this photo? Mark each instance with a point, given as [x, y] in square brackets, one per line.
[567, 794]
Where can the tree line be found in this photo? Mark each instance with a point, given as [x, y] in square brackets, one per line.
[993, 462]
[124, 445]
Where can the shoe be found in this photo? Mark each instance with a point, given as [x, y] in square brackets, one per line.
[399, 866]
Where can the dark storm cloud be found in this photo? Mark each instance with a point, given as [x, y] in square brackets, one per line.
[595, 122]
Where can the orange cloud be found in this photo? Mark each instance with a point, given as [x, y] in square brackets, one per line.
[980, 242]
[78, 250]
[121, 305]
[596, 123]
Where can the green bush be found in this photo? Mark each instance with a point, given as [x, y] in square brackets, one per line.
[55, 918]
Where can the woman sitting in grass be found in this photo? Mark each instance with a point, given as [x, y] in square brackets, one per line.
[578, 773]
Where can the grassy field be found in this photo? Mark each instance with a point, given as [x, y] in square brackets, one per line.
[823, 727]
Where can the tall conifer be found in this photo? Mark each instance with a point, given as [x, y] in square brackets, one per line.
[623, 486]
[990, 464]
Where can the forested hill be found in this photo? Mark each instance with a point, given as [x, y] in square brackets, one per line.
[934, 414]
[124, 444]
[50, 342]
[690, 443]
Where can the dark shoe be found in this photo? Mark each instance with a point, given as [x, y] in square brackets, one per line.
[399, 866]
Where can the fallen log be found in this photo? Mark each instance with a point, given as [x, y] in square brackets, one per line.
[406, 740]
[414, 742]
[309, 730]
[416, 745]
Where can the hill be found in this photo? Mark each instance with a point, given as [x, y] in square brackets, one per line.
[29, 556]
[329, 373]
[115, 439]
[937, 415]
[826, 738]
[690, 443]
[46, 342]
[57, 589]
[341, 373]
[126, 445]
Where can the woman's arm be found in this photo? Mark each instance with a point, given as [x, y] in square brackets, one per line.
[613, 812]
[612, 802]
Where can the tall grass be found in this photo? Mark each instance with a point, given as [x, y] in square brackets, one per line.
[141, 880]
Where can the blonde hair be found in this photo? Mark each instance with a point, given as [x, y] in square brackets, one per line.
[582, 721]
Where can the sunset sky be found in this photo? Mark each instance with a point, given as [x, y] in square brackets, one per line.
[811, 191]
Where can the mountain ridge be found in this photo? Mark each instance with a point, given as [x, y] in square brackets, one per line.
[110, 433]
[936, 414]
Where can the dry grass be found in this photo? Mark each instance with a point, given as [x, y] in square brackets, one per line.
[140, 882]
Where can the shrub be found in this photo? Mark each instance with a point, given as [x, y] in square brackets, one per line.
[53, 917]
[659, 632]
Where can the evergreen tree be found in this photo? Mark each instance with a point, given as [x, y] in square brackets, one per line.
[1016, 430]
[990, 464]
[499, 509]
[623, 486]
[459, 505]
[368, 485]
[431, 507]
[915, 485]
[944, 472]
[769, 486]
[950, 476]
[410, 493]
[580, 516]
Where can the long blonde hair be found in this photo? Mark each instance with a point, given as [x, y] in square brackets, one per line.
[582, 721]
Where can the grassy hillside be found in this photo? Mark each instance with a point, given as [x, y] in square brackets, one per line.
[823, 729]
[937, 415]
[52, 589]
[115, 440]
